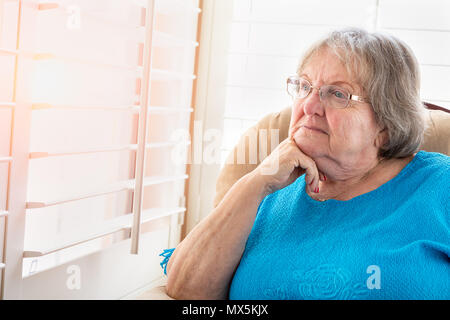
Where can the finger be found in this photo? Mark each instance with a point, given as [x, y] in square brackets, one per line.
[292, 132]
[312, 174]
[322, 177]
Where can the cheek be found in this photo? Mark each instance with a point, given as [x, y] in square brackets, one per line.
[342, 128]
[351, 131]
[296, 114]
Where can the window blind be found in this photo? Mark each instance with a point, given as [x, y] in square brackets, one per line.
[98, 88]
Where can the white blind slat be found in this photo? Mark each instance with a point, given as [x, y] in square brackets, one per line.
[117, 187]
[115, 225]
[133, 108]
[131, 147]
[7, 104]
[6, 51]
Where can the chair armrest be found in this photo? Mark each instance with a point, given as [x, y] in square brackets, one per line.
[156, 293]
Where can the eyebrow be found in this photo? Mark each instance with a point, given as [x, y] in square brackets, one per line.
[343, 82]
[333, 83]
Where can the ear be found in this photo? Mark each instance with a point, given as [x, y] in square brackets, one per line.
[381, 138]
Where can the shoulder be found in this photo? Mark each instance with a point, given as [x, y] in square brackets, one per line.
[434, 158]
[431, 163]
[427, 180]
[430, 170]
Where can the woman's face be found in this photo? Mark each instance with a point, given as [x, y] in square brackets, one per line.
[343, 142]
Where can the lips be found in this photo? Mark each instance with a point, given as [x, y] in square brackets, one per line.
[312, 128]
[308, 126]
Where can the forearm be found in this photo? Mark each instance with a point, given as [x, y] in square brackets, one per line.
[202, 265]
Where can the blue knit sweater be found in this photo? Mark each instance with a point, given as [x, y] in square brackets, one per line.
[390, 243]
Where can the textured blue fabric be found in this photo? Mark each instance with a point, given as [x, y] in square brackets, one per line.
[167, 253]
[399, 234]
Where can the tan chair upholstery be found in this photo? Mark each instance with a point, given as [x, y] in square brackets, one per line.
[156, 293]
[437, 139]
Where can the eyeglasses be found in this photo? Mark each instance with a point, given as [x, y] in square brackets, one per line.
[330, 95]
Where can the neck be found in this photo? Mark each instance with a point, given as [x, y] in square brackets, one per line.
[377, 175]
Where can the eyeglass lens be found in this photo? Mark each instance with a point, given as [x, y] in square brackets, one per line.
[330, 95]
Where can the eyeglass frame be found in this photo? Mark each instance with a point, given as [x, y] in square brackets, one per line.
[349, 97]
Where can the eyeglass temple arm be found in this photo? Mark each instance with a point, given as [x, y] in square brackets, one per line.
[356, 98]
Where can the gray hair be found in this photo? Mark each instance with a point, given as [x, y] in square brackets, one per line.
[388, 73]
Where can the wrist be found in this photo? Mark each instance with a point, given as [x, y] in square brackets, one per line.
[259, 183]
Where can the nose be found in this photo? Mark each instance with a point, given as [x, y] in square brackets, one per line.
[312, 104]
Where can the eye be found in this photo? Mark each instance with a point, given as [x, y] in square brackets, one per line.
[339, 94]
[304, 86]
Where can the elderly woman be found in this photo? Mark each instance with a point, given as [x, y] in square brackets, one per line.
[369, 216]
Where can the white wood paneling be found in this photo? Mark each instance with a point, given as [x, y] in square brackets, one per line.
[326, 12]
[435, 83]
[430, 47]
[284, 39]
[415, 14]
[255, 71]
[239, 36]
[254, 103]
[241, 9]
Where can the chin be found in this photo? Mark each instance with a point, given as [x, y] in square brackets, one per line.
[313, 148]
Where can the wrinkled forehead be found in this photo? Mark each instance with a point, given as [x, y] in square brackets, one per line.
[329, 66]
